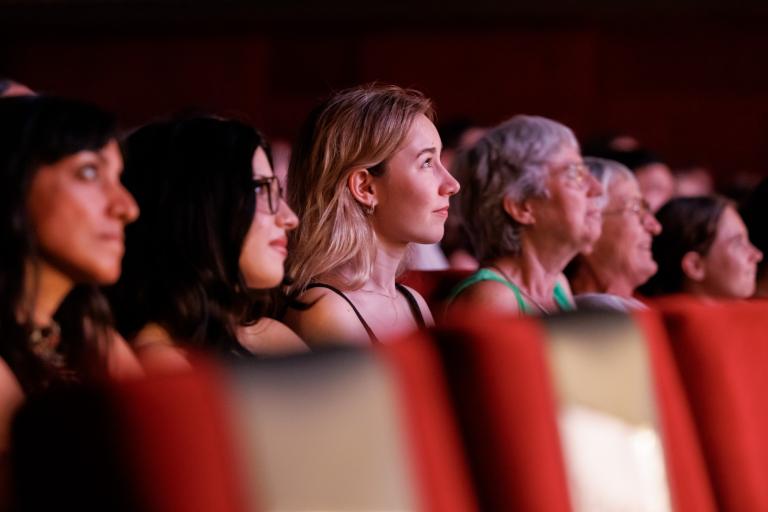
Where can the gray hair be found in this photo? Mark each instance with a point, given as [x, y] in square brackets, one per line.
[509, 160]
[606, 172]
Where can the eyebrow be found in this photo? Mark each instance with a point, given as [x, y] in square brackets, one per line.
[426, 150]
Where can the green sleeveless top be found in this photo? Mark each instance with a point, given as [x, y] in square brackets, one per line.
[486, 274]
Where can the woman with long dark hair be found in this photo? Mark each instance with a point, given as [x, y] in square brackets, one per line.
[703, 250]
[210, 242]
[63, 210]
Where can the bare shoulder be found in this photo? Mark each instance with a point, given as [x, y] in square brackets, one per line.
[269, 336]
[423, 306]
[326, 319]
[122, 362]
[11, 397]
[488, 295]
[157, 351]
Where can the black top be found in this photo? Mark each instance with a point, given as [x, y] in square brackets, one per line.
[412, 303]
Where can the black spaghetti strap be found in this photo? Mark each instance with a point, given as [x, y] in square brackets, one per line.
[338, 292]
[413, 304]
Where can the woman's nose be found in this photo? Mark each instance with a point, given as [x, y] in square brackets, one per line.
[285, 217]
[450, 186]
[122, 205]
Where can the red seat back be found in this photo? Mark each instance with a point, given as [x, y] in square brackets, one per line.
[504, 398]
[721, 351]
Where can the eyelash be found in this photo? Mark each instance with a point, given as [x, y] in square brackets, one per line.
[427, 163]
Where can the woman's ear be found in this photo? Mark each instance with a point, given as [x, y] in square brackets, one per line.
[360, 184]
[693, 266]
[519, 211]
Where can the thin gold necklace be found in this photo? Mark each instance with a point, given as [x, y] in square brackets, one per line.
[525, 294]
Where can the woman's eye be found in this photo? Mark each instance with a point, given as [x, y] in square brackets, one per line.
[88, 173]
[427, 163]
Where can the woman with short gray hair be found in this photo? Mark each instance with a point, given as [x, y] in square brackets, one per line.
[620, 260]
[529, 206]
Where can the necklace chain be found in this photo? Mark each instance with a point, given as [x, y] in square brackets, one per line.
[527, 295]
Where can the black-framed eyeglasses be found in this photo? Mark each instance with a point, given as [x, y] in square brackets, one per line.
[268, 187]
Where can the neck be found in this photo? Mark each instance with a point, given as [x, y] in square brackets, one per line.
[44, 290]
[389, 256]
[533, 278]
[592, 277]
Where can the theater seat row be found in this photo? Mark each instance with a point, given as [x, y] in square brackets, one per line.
[466, 416]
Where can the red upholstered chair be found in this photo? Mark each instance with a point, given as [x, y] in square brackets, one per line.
[434, 285]
[501, 386]
[721, 351]
[689, 483]
[435, 444]
[348, 429]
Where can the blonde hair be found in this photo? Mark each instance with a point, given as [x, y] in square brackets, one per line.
[361, 127]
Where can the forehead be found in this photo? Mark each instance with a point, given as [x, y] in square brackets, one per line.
[565, 154]
[730, 224]
[421, 135]
[622, 188]
[260, 163]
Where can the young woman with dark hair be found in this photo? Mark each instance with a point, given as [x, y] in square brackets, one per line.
[210, 242]
[63, 210]
[703, 249]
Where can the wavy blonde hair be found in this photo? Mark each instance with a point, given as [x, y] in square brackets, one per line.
[361, 127]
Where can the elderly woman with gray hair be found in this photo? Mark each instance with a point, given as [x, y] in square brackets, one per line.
[529, 206]
[621, 259]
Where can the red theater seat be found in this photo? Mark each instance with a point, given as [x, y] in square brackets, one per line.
[689, 484]
[721, 352]
[504, 398]
[348, 429]
[434, 285]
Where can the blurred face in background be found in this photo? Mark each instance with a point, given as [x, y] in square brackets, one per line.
[78, 209]
[656, 184]
[729, 268]
[624, 248]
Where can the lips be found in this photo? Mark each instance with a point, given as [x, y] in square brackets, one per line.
[442, 211]
[280, 245]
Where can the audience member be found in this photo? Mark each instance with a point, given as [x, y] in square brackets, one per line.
[62, 215]
[212, 234]
[529, 206]
[653, 176]
[703, 249]
[755, 213]
[621, 259]
[366, 180]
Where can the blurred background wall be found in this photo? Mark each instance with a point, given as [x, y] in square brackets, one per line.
[689, 79]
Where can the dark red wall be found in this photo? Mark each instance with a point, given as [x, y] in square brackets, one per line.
[694, 88]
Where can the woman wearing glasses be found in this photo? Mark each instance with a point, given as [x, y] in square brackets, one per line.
[210, 242]
[606, 276]
[528, 206]
[367, 181]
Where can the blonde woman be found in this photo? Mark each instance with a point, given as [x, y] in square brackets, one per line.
[366, 181]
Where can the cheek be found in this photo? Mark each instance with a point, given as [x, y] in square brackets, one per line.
[260, 264]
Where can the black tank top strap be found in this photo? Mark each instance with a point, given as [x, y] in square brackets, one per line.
[338, 292]
[413, 304]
